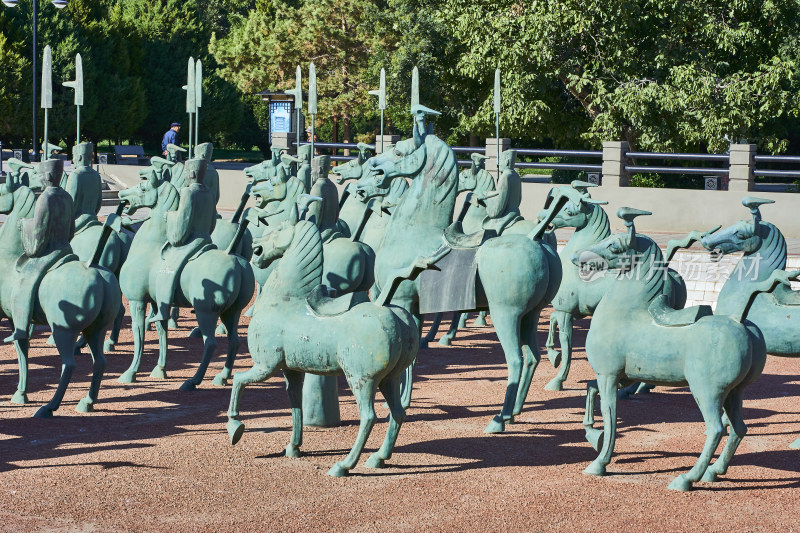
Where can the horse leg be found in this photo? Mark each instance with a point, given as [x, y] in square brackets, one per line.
[22, 346]
[160, 370]
[207, 322]
[462, 320]
[481, 320]
[711, 408]
[113, 338]
[94, 339]
[552, 354]
[593, 435]
[431, 335]
[733, 410]
[450, 336]
[138, 329]
[364, 391]
[390, 388]
[294, 387]
[174, 315]
[507, 326]
[65, 343]
[531, 356]
[607, 387]
[230, 320]
[565, 337]
[258, 373]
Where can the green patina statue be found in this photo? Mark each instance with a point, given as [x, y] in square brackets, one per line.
[297, 328]
[44, 282]
[172, 263]
[304, 164]
[777, 314]
[636, 336]
[85, 187]
[417, 227]
[502, 209]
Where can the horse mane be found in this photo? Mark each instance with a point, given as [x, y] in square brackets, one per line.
[301, 265]
[485, 182]
[24, 204]
[597, 226]
[397, 188]
[168, 196]
[649, 268]
[441, 167]
[770, 256]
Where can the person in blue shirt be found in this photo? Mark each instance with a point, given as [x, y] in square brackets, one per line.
[171, 137]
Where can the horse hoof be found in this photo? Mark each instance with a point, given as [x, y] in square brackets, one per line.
[20, 398]
[555, 357]
[109, 346]
[86, 405]
[235, 430]
[337, 471]
[680, 483]
[292, 451]
[795, 445]
[555, 384]
[195, 333]
[172, 324]
[158, 373]
[444, 341]
[221, 330]
[495, 426]
[127, 377]
[595, 469]
[44, 412]
[480, 322]
[50, 341]
[710, 476]
[220, 380]
[375, 461]
[188, 385]
[595, 437]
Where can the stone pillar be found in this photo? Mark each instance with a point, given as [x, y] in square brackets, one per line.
[321, 401]
[284, 139]
[742, 167]
[387, 141]
[614, 161]
[491, 152]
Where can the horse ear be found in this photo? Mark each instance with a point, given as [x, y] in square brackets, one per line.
[293, 214]
[153, 178]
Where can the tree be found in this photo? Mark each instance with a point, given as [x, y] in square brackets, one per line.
[662, 75]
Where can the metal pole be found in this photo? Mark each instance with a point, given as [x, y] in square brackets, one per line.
[497, 109]
[196, 126]
[35, 107]
[381, 130]
[190, 136]
[78, 130]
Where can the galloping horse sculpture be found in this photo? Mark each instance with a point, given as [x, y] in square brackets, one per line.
[215, 283]
[776, 314]
[297, 328]
[518, 274]
[71, 299]
[636, 336]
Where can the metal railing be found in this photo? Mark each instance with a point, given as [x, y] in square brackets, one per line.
[777, 173]
[651, 169]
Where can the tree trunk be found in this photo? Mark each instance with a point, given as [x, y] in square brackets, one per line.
[335, 129]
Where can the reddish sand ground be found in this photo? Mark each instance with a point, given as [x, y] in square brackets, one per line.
[152, 458]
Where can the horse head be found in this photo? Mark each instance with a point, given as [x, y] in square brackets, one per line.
[743, 236]
[621, 252]
[145, 194]
[272, 190]
[13, 182]
[406, 159]
[352, 170]
[577, 211]
[259, 171]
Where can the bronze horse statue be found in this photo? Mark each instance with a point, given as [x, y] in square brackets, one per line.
[517, 274]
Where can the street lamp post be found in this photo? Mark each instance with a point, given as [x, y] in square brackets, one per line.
[59, 4]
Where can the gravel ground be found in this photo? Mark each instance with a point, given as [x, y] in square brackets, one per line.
[152, 458]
